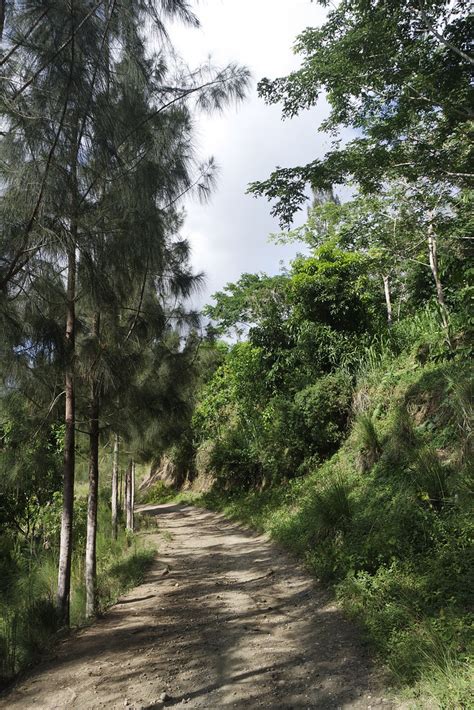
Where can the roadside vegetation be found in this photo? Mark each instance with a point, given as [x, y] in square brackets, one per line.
[386, 520]
[28, 619]
[340, 418]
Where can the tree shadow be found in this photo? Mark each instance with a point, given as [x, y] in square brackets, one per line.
[218, 631]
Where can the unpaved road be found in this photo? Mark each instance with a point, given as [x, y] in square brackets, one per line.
[235, 623]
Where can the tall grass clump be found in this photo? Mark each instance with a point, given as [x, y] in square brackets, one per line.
[368, 441]
[431, 478]
[332, 509]
[27, 613]
[461, 406]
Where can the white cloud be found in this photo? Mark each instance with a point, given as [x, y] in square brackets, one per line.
[229, 235]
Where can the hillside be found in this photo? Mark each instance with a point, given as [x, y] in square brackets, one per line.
[387, 519]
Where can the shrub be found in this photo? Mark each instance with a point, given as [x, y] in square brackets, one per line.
[324, 409]
[233, 461]
[159, 492]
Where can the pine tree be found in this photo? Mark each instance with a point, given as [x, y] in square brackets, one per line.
[67, 163]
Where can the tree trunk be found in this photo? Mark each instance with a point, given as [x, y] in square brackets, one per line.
[433, 257]
[388, 299]
[65, 541]
[2, 18]
[65, 545]
[92, 500]
[126, 504]
[132, 497]
[115, 487]
[129, 492]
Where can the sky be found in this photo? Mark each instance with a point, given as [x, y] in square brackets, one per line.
[229, 235]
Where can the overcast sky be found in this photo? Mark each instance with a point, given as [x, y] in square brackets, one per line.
[229, 235]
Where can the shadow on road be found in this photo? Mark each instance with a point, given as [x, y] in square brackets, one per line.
[235, 623]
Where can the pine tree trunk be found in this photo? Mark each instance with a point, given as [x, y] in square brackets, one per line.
[66, 535]
[129, 495]
[433, 257]
[125, 499]
[2, 17]
[132, 497]
[92, 500]
[388, 299]
[65, 545]
[115, 487]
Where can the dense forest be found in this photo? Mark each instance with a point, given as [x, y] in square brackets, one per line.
[329, 404]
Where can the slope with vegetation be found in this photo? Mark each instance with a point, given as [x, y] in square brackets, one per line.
[387, 519]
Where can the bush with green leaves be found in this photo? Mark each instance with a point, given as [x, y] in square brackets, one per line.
[30, 466]
[323, 410]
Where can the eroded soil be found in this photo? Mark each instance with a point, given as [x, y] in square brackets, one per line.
[225, 619]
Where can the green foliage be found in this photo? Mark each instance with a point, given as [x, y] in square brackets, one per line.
[322, 410]
[253, 300]
[258, 438]
[334, 287]
[30, 465]
[159, 492]
[408, 105]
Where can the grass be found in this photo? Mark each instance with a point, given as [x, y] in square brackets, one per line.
[369, 444]
[28, 622]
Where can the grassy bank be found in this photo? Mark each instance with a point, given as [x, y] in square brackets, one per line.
[28, 578]
[387, 522]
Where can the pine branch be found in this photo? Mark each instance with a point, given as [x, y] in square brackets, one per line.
[96, 69]
[60, 49]
[16, 266]
[142, 292]
[25, 36]
[153, 114]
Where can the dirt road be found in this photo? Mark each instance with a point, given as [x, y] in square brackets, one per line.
[225, 619]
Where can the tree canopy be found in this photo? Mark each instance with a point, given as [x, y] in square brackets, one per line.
[398, 75]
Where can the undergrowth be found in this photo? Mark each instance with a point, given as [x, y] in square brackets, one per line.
[28, 578]
[159, 492]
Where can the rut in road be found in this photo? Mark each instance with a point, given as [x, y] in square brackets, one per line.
[225, 619]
